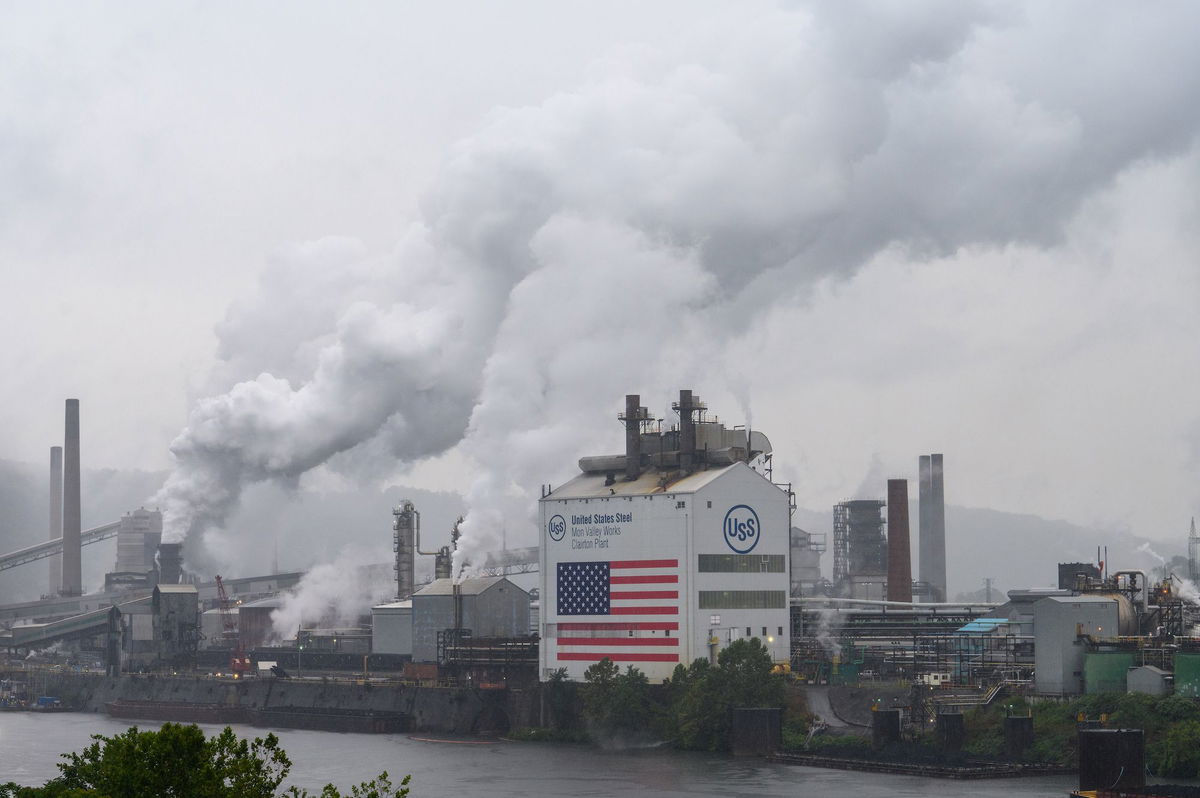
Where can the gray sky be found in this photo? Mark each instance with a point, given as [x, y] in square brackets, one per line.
[435, 244]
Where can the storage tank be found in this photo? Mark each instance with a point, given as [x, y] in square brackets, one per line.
[1106, 671]
[1127, 619]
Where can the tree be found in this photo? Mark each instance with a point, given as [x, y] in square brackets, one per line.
[180, 762]
[619, 703]
[560, 695]
[705, 696]
[1178, 753]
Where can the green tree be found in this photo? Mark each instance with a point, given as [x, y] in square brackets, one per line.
[560, 694]
[705, 696]
[178, 761]
[615, 702]
[1178, 753]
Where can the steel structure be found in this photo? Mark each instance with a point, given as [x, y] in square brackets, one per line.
[859, 546]
[41, 551]
[238, 661]
[511, 561]
[841, 543]
[1193, 554]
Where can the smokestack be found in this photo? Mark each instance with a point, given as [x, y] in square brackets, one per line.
[937, 526]
[634, 413]
[170, 563]
[687, 430]
[72, 571]
[924, 531]
[56, 516]
[899, 583]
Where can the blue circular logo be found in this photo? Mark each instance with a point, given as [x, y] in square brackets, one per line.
[742, 528]
[557, 527]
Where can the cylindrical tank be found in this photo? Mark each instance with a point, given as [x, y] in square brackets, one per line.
[1127, 620]
[1187, 674]
[1105, 671]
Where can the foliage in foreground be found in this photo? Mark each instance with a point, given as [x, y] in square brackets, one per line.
[179, 761]
[1171, 725]
[695, 706]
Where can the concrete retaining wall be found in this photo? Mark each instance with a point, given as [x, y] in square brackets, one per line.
[459, 710]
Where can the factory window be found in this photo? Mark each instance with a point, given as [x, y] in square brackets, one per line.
[742, 564]
[764, 631]
[748, 631]
[680, 505]
[743, 600]
[780, 632]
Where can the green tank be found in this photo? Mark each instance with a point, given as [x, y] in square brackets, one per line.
[1105, 671]
[1187, 674]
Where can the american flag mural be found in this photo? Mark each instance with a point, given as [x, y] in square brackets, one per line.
[627, 610]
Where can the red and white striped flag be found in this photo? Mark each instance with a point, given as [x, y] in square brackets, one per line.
[628, 611]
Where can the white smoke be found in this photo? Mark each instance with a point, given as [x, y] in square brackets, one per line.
[1186, 589]
[1145, 549]
[828, 622]
[334, 594]
[616, 237]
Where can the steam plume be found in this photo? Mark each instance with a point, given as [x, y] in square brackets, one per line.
[614, 236]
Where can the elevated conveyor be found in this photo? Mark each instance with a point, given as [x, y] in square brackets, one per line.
[37, 635]
[51, 547]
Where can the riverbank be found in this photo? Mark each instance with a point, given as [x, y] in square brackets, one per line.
[979, 770]
[379, 706]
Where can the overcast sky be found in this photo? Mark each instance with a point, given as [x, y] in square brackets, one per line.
[435, 244]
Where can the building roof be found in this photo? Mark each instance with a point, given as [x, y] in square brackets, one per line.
[395, 605]
[980, 625]
[270, 602]
[469, 587]
[176, 588]
[1078, 599]
[593, 485]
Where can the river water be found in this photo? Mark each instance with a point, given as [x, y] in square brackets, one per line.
[30, 745]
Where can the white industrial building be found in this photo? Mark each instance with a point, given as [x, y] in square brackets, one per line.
[661, 566]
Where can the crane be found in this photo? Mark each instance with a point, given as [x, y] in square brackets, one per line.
[239, 663]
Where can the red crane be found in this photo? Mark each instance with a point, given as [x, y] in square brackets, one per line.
[239, 663]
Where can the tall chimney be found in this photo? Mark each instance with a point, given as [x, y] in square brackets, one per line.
[924, 531]
[170, 563]
[687, 432]
[56, 515]
[937, 521]
[633, 436]
[899, 583]
[72, 575]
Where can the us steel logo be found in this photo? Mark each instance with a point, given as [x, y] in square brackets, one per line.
[557, 527]
[742, 528]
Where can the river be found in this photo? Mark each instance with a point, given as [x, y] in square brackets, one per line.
[30, 745]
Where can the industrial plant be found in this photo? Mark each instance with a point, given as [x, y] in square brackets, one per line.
[653, 557]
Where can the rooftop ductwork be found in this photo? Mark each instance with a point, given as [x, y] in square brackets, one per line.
[633, 417]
